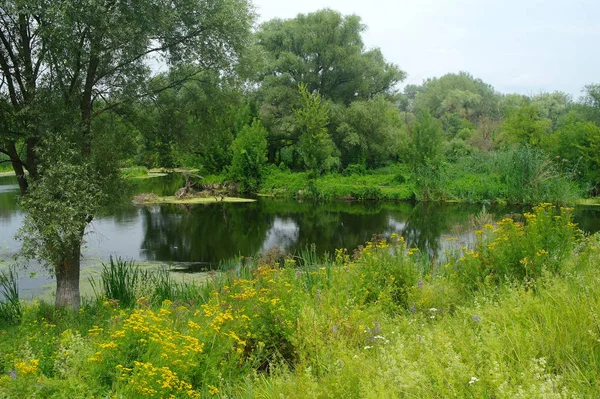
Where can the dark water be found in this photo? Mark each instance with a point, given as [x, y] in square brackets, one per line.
[200, 236]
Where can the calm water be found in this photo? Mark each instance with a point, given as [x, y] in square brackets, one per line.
[197, 237]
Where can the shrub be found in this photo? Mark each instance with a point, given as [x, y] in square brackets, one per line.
[249, 157]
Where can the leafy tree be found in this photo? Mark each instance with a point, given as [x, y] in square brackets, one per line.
[325, 51]
[315, 145]
[64, 63]
[576, 142]
[426, 144]
[591, 100]
[249, 156]
[369, 132]
[525, 126]
[193, 123]
[552, 105]
[460, 93]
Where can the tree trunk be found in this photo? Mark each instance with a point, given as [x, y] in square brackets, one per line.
[67, 280]
[18, 168]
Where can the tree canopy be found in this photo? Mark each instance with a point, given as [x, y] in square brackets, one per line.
[64, 63]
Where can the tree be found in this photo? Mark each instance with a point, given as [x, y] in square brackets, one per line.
[369, 132]
[591, 100]
[525, 126]
[325, 51]
[316, 145]
[552, 105]
[192, 124]
[426, 142]
[460, 93]
[249, 156]
[64, 63]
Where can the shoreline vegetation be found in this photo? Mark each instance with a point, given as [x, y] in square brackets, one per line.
[401, 183]
[513, 314]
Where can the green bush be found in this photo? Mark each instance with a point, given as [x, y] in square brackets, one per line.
[249, 157]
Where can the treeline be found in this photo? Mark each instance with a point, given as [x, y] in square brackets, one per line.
[308, 95]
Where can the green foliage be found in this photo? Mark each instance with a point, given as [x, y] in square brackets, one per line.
[552, 105]
[525, 126]
[193, 123]
[515, 251]
[383, 322]
[315, 145]
[120, 281]
[370, 130]
[518, 175]
[325, 51]
[10, 306]
[69, 191]
[530, 176]
[426, 141]
[134, 171]
[461, 93]
[249, 156]
[379, 184]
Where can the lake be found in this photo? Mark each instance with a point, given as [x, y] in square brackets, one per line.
[196, 238]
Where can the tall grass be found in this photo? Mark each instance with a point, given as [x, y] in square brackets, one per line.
[515, 315]
[10, 305]
[121, 280]
[519, 175]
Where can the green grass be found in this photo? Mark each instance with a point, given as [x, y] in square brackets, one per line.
[518, 176]
[383, 184]
[513, 316]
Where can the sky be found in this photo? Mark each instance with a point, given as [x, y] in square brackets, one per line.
[517, 46]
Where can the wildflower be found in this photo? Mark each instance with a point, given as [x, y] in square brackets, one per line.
[368, 347]
[193, 325]
[27, 367]
[433, 310]
[213, 390]
[541, 252]
[476, 318]
[473, 380]
[334, 329]
[377, 328]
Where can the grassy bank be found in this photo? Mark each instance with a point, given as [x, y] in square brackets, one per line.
[383, 184]
[516, 315]
[515, 177]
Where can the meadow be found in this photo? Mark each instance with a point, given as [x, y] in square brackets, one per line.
[513, 314]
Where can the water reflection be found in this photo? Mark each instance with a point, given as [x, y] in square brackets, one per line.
[283, 234]
[206, 234]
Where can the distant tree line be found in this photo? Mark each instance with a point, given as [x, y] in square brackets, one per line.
[357, 118]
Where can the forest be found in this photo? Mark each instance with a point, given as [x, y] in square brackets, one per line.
[95, 92]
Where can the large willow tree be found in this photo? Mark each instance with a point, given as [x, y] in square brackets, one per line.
[64, 65]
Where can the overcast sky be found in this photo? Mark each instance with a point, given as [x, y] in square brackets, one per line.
[523, 46]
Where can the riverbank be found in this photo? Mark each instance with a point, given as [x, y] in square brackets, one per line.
[400, 183]
[468, 181]
[514, 315]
